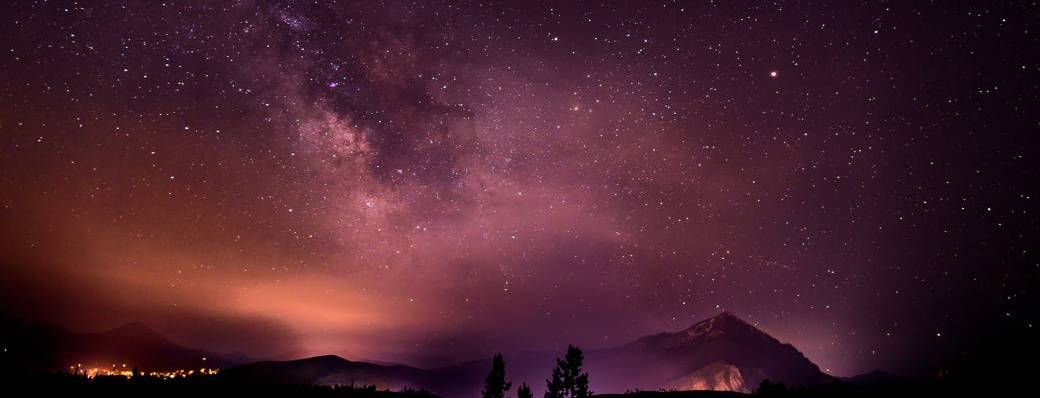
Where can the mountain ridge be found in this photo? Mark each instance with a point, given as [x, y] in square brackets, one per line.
[47, 347]
[723, 352]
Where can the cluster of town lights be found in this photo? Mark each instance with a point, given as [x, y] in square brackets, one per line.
[123, 371]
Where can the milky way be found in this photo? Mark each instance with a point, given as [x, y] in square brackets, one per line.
[431, 182]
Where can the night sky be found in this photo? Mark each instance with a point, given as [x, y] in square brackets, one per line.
[429, 182]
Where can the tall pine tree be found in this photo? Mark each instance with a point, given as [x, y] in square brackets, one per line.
[554, 386]
[568, 380]
[495, 384]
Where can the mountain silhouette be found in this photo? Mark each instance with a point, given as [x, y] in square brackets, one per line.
[137, 345]
[719, 353]
[46, 347]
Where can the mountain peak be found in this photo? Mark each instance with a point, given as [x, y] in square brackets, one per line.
[135, 330]
[326, 359]
[723, 323]
[725, 314]
[725, 352]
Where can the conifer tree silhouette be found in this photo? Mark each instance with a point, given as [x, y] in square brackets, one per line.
[568, 380]
[495, 384]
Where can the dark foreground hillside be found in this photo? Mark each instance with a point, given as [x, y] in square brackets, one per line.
[675, 394]
[58, 384]
[53, 384]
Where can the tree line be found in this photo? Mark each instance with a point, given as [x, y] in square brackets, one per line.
[568, 380]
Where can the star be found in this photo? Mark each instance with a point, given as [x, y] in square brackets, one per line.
[635, 148]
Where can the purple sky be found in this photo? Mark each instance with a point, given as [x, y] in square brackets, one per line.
[428, 182]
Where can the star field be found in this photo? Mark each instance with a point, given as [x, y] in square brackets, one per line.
[429, 182]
